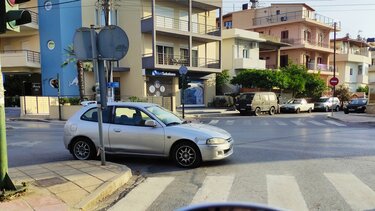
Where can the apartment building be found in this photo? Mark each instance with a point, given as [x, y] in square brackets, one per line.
[163, 36]
[297, 24]
[353, 60]
[20, 58]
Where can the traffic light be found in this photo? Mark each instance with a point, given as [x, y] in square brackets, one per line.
[11, 17]
[183, 82]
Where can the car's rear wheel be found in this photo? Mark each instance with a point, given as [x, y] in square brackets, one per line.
[337, 109]
[83, 149]
[310, 110]
[272, 111]
[257, 111]
[298, 110]
[187, 155]
[346, 111]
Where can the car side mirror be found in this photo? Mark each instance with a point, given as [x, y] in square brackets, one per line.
[150, 123]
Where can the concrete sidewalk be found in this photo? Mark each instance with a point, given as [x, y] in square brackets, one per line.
[67, 185]
[353, 117]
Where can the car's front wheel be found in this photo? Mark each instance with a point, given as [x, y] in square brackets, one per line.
[257, 111]
[272, 111]
[187, 155]
[83, 149]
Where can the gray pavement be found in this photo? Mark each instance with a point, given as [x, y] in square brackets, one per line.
[68, 185]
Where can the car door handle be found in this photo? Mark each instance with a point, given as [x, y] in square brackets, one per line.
[117, 130]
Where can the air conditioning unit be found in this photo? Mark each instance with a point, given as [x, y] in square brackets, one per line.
[284, 18]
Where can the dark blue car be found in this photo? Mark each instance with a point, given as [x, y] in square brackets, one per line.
[356, 106]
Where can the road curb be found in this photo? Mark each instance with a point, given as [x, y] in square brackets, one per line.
[28, 119]
[359, 122]
[103, 191]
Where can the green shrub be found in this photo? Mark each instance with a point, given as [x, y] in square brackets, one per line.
[74, 101]
[63, 100]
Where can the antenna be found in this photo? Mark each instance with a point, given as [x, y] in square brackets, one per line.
[254, 3]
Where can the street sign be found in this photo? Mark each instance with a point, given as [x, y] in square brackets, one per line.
[113, 84]
[82, 44]
[183, 70]
[113, 43]
[334, 81]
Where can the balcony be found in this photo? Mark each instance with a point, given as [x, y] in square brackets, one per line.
[20, 58]
[246, 63]
[308, 43]
[173, 62]
[295, 16]
[357, 56]
[177, 26]
[324, 69]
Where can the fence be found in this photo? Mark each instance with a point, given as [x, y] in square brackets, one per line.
[52, 108]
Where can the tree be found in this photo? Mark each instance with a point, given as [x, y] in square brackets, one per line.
[81, 67]
[314, 86]
[297, 78]
[343, 93]
[222, 79]
[363, 89]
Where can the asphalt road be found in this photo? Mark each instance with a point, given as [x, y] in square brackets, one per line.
[298, 162]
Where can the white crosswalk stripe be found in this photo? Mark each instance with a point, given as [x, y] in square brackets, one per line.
[213, 122]
[297, 122]
[316, 123]
[357, 194]
[283, 191]
[143, 195]
[280, 123]
[229, 122]
[335, 123]
[214, 189]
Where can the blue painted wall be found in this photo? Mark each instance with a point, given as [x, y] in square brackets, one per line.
[58, 25]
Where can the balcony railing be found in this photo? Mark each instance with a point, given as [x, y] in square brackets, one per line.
[306, 41]
[362, 52]
[170, 59]
[322, 67]
[283, 17]
[206, 63]
[31, 56]
[183, 25]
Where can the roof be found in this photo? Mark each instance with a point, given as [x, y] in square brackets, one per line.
[137, 104]
[290, 4]
[355, 41]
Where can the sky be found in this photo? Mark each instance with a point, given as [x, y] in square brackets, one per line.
[356, 16]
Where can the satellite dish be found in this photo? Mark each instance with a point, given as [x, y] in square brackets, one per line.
[113, 43]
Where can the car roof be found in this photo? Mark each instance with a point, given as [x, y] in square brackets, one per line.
[136, 104]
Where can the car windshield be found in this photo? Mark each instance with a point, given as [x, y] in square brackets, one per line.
[165, 116]
[246, 96]
[296, 101]
[358, 101]
[323, 99]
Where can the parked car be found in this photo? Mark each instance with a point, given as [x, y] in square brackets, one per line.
[297, 105]
[327, 103]
[145, 129]
[356, 105]
[256, 103]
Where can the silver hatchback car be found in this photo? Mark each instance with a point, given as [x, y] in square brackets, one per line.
[145, 129]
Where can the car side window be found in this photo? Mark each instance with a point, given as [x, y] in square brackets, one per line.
[130, 116]
[92, 115]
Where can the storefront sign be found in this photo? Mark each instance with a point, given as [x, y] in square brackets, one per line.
[160, 73]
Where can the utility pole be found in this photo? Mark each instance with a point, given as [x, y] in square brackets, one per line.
[334, 63]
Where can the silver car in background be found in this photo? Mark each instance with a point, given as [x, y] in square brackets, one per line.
[145, 129]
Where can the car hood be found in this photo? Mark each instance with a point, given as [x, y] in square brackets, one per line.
[355, 105]
[202, 130]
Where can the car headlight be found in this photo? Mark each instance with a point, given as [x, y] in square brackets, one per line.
[216, 141]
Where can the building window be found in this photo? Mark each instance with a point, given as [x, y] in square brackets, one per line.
[245, 53]
[184, 56]
[277, 12]
[165, 55]
[307, 35]
[320, 39]
[228, 24]
[360, 68]
[284, 34]
[351, 71]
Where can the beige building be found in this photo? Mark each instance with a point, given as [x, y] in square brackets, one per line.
[353, 59]
[241, 49]
[20, 58]
[163, 36]
[297, 24]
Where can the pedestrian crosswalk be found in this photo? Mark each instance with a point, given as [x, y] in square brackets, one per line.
[281, 191]
[279, 122]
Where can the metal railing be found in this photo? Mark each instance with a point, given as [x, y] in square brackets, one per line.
[183, 25]
[288, 16]
[31, 56]
[206, 62]
[322, 67]
[171, 59]
[306, 41]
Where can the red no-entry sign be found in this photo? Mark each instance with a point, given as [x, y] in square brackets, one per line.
[334, 81]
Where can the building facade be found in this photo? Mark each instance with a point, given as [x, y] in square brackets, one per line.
[21, 60]
[353, 60]
[163, 36]
[296, 24]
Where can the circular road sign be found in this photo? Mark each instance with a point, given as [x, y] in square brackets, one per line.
[334, 81]
[183, 70]
[113, 43]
